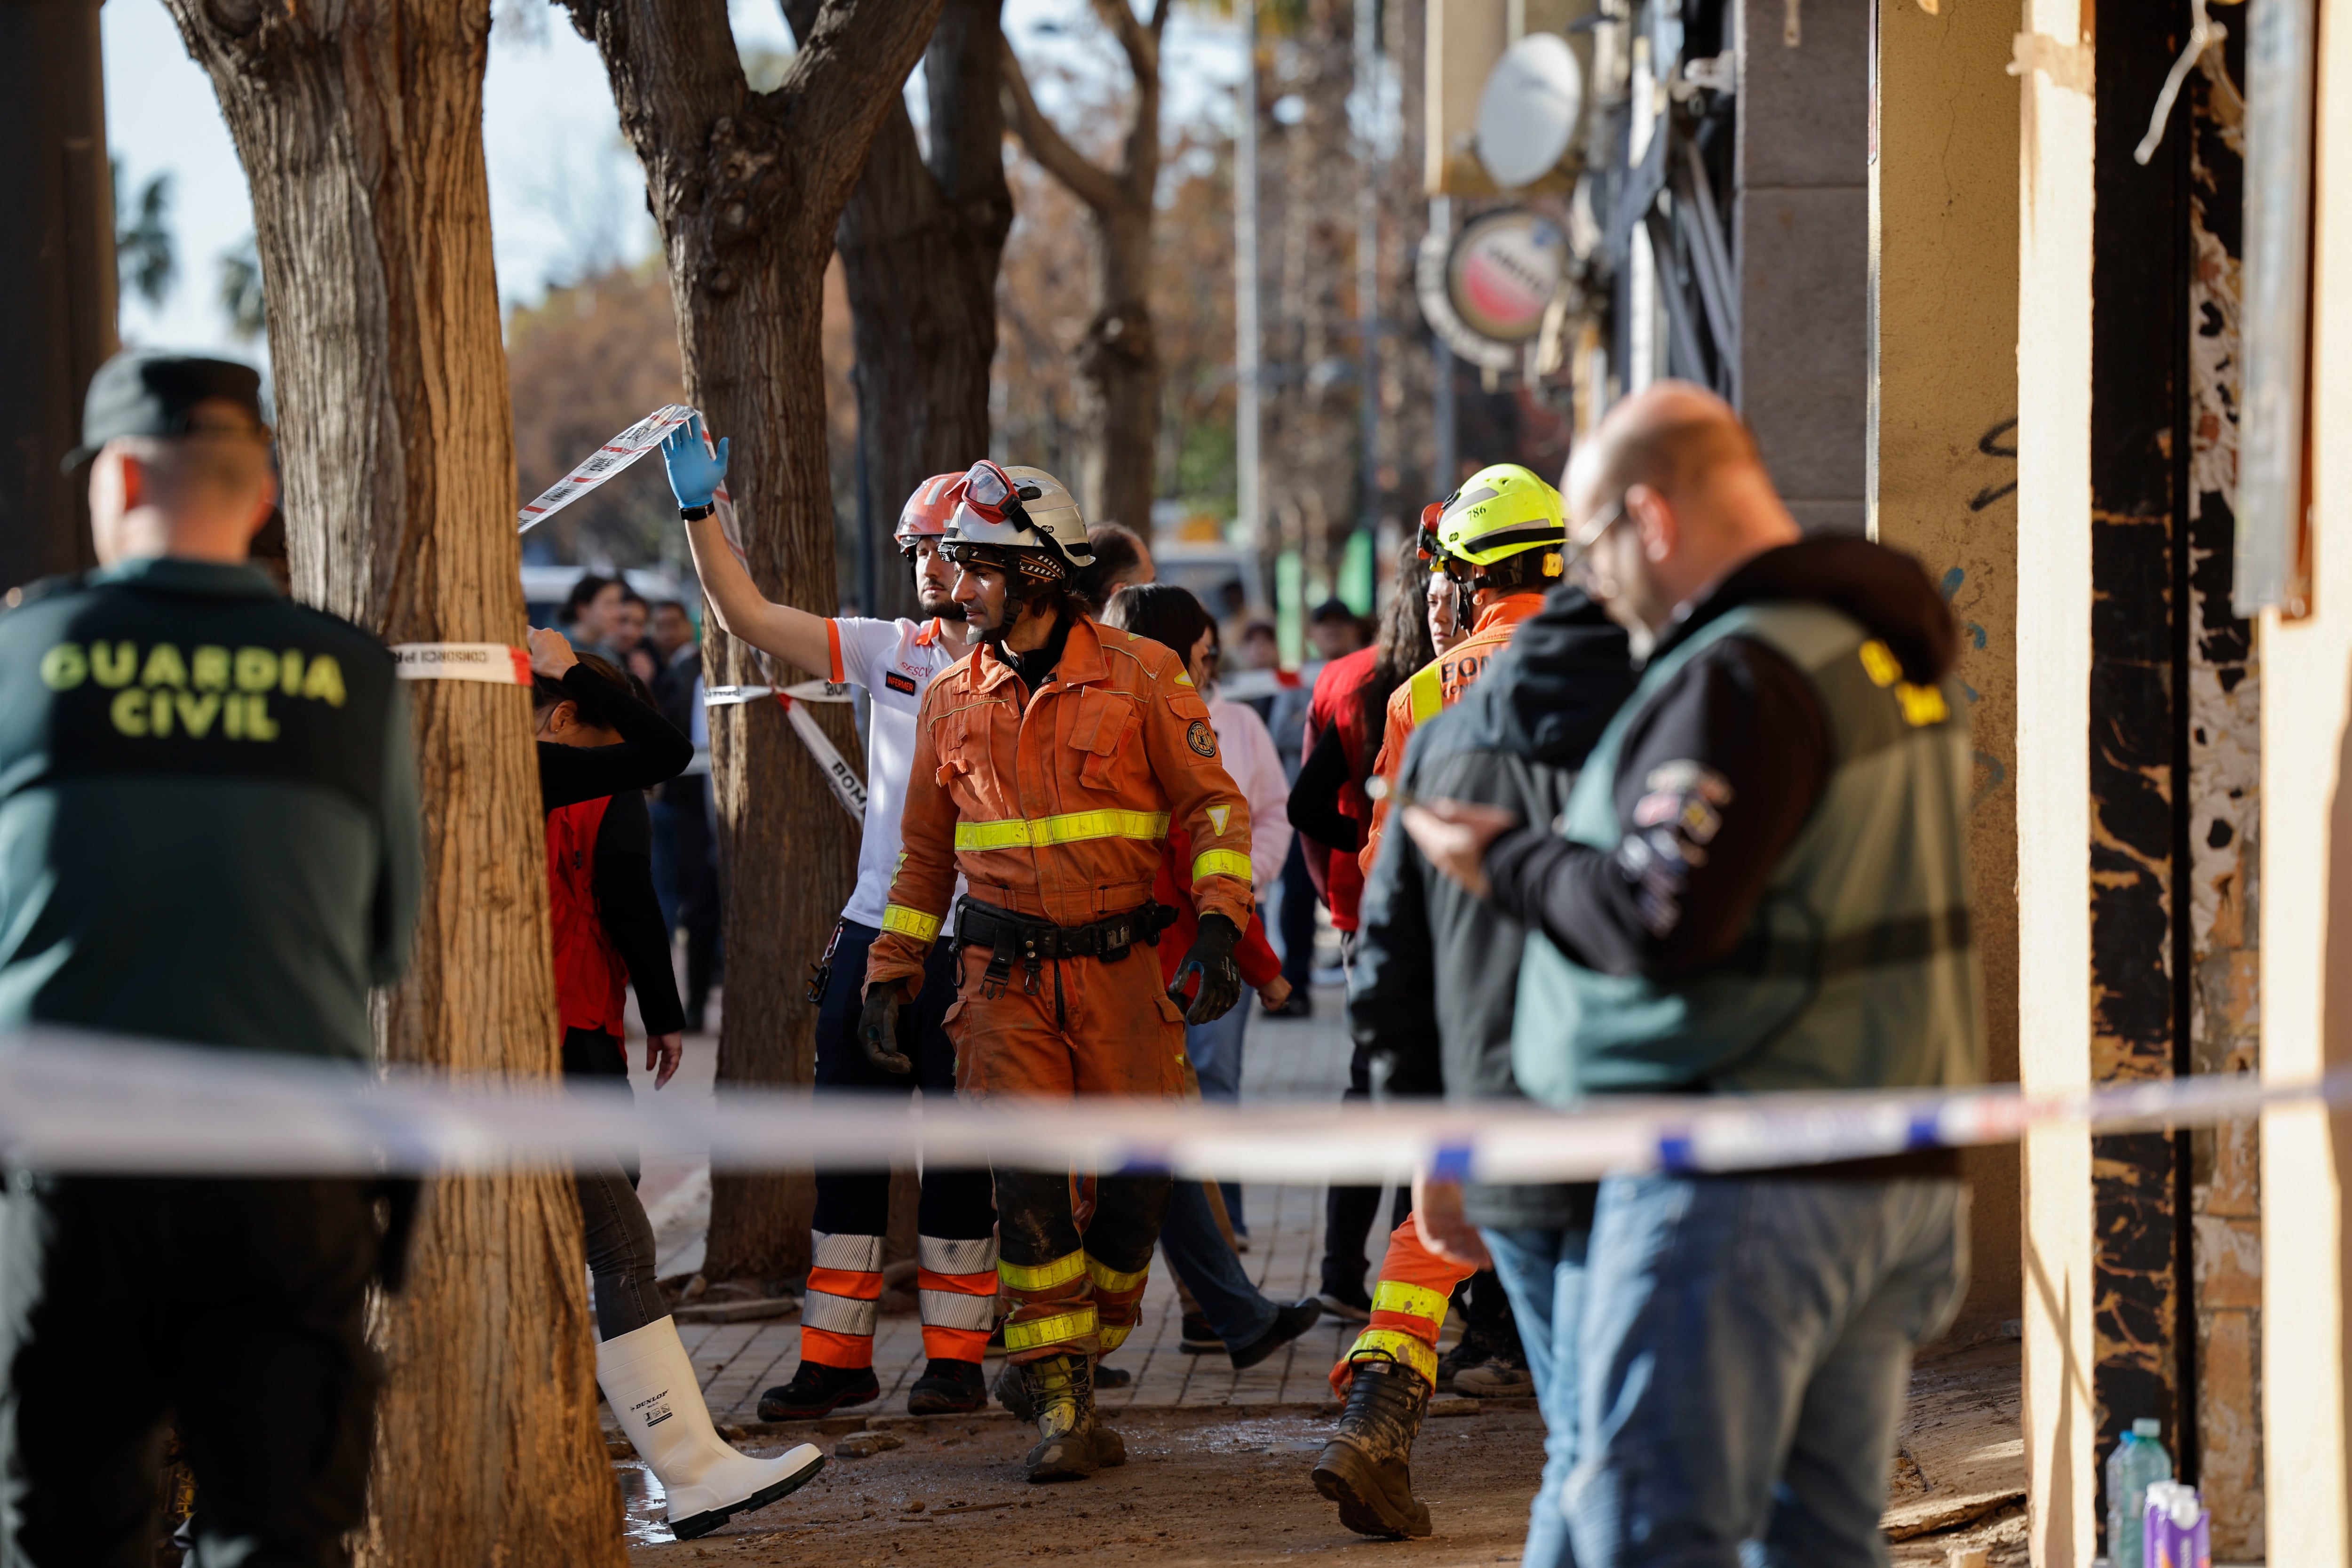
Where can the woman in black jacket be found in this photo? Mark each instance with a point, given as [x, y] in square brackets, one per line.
[601, 747]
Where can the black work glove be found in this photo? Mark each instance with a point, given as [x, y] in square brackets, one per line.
[878, 1028]
[1211, 958]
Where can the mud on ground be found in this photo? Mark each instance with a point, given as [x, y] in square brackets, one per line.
[1223, 1487]
[1227, 1485]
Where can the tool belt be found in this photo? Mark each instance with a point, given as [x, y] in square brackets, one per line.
[1012, 938]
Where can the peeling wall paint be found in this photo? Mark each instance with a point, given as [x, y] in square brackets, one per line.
[2224, 795]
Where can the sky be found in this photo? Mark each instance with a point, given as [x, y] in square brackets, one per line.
[565, 193]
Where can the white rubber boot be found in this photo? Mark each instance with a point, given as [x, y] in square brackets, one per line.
[651, 1387]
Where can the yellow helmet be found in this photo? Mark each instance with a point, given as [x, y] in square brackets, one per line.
[1500, 512]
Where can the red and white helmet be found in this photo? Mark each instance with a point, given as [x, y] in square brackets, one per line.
[927, 512]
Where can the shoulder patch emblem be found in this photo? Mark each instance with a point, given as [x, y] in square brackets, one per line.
[1200, 738]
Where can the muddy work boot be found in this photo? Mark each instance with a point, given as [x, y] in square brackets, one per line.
[1072, 1441]
[1364, 1466]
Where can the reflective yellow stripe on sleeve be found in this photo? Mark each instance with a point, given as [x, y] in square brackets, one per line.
[1220, 863]
[1072, 1325]
[1396, 1296]
[911, 922]
[1391, 1345]
[1035, 833]
[1428, 694]
[1042, 1276]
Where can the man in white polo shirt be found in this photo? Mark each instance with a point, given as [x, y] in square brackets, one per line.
[895, 661]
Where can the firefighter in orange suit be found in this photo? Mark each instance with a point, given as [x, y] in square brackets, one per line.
[1048, 765]
[1503, 538]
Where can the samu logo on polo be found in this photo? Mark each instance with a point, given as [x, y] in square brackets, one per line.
[168, 691]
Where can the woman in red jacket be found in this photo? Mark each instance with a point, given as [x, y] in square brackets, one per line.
[601, 746]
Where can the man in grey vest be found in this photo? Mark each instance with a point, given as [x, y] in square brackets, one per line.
[1758, 884]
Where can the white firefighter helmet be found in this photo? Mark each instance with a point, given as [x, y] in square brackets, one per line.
[1019, 520]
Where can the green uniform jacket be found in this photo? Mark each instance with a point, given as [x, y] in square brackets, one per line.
[208, 813]
[1857, 969]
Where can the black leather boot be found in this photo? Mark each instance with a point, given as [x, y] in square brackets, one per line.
[1364, 1466]
[948, 1388]
[818, 1390]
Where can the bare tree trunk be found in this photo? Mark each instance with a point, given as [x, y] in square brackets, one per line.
[358, 123]
[1118, 361]
[747, 188]
[920, 241]
[1119, 366]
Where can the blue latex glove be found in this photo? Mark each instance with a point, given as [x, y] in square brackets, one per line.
[695, 472]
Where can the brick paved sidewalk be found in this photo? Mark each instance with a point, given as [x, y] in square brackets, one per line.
[1286, 1058]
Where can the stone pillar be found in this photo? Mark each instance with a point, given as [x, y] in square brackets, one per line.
[2054, 566]
[1802, 218]
[1942, 416]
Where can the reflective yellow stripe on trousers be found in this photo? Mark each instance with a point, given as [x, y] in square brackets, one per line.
[1070, 827]
[1042, 1276]
[1394, 1346]
[1071, 1325]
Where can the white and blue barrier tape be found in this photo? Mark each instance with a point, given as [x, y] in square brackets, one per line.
[71, 1101]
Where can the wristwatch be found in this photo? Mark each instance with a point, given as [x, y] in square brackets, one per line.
[696, 513]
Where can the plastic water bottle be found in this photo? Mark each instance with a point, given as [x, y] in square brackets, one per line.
[2178, 1529]
[2138, 1462]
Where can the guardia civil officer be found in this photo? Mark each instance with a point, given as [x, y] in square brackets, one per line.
[209, 833]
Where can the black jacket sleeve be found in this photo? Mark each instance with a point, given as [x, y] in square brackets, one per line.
[650, 750]
[632, 915]
[1712, 784]
[1391, 984]
[1313, 806]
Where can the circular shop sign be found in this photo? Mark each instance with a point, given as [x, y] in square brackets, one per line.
[1485, 289]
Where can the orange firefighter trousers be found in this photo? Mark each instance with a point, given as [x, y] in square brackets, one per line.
[1408, 1309]
[1072, 1026]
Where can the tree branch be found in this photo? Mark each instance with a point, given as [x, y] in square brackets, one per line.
[850, 72]
[1141, 42]
[1086, 180]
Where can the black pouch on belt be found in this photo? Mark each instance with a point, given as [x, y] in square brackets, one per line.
[1011, 937]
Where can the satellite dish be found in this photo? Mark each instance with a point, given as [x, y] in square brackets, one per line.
[1528, 113]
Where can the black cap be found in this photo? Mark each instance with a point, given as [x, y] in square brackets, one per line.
[143, 393]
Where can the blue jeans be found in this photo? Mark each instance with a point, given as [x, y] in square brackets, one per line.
[1543, 1273]
[1196, 1249]
[1746, 1348]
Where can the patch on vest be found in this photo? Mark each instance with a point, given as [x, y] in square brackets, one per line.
[1687, 777]
[898, 682]
[1200, 738]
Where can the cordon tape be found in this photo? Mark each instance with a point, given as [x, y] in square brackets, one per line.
[603, 463]
[73, 1100]
[492, 661]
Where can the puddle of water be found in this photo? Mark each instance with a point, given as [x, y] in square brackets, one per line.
[643, 1504]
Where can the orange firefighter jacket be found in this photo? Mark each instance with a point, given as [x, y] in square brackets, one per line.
[1435, 687]
[1058, 809]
